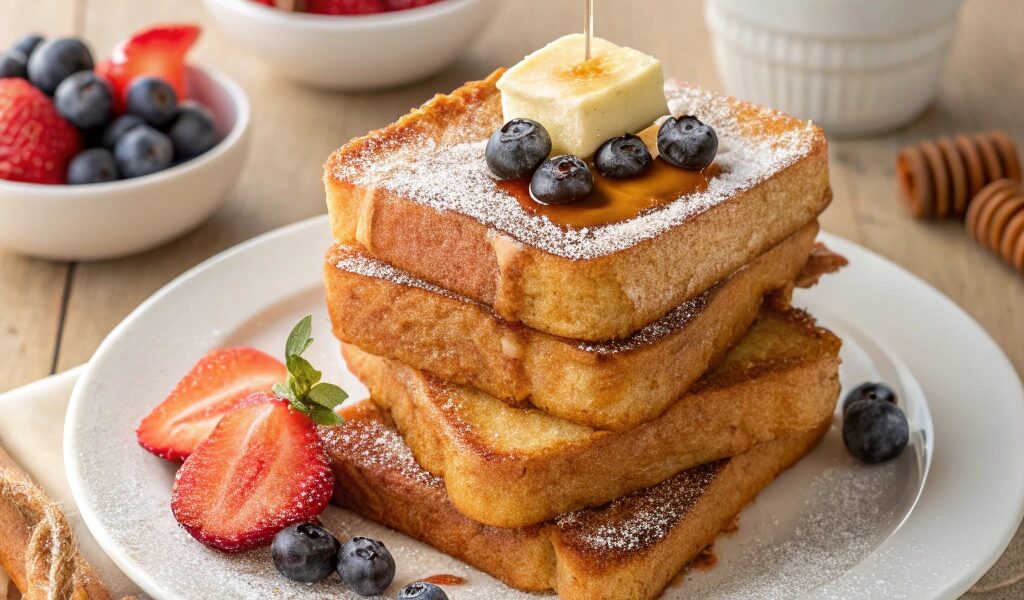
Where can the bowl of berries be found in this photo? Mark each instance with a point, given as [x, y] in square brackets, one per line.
[352, 44]
[109, 158]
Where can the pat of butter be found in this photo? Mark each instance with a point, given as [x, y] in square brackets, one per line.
[581, 103]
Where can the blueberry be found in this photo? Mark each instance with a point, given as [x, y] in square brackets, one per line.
[422, 591]
[624, 156]
[875, 431]
[878, 392]
[193, 131]
[13, 64]
[94, 165]
[515, 150]
[687, 143]
[564, 179]
[27, 44]
[117, 129]
[365, 566]
[56, 60]
[153, 99]
[85, 100]
[142, 151]
[305, 552]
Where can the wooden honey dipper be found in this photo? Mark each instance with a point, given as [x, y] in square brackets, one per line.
[995, 220]
[939, 178]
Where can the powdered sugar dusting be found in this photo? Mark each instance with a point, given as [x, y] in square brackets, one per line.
[368, 443]
[454, 177]
[360, 264]
[640, 519]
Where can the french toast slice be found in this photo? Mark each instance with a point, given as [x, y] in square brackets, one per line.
[417, 195]
[629, 549]
[609, 385]
[513, 467]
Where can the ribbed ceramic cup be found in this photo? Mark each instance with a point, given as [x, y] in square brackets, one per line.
[852, 66]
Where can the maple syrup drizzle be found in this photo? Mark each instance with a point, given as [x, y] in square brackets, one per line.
[445, 579]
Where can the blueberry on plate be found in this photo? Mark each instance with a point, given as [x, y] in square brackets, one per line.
[623, 156]
[95, 165]
[56, 60]
[365, 566]
[875, 431]
[142, 151]
[515, 150]
[687, 143]
[13, 64]
[85, 100]
[564, 179]
[27, 44]
[422, 591]
[305, 552]
[116, 130]
[193, 131]
[879, 392]
[153, 99]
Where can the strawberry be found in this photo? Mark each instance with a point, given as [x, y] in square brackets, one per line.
[215, 386]
[262, 469]
[406, 4]
[344, 7]
[158, 51]
[36, 143]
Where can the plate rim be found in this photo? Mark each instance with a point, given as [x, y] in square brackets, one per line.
[953, 585]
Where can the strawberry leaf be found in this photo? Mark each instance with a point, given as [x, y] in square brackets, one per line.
[299, 340]
[285, 392]
[327, 395]
[301, 375]
[324, 416]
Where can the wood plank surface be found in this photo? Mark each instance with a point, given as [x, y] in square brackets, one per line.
[31, 291]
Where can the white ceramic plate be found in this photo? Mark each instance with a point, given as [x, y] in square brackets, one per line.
[924, 526]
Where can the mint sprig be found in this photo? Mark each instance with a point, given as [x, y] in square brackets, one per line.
[303, 389]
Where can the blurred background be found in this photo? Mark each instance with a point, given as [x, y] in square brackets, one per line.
[54, 314]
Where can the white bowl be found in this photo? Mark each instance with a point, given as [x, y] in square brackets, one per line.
[353, 52]
[852, 66]
[107, 220]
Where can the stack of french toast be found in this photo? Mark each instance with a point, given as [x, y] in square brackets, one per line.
[577, 396]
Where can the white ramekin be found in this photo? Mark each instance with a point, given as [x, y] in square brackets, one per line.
[852, 66]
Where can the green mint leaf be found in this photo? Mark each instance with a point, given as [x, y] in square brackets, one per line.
[298, 339]
[327, 395]
[285, 392]
[324, 416]
[301, 375]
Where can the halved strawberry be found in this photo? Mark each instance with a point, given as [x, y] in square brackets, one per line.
[158, 51]
[262, 469]
[214, 387]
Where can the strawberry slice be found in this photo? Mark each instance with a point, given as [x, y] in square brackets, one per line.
[262, 469]
[36, 143]
[215, 386]
[394, 5]
[158, 51]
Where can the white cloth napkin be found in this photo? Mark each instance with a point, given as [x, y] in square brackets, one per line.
[32, 432]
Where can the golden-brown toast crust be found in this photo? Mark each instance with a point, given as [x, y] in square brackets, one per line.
[627, 550]
[597, 298]
[608, 386]
[511, 467]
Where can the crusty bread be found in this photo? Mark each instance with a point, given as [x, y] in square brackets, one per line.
[610, 385]
[628, 550]
[512, 467]
[417, 195]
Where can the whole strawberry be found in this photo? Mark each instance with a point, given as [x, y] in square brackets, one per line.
[36, 143]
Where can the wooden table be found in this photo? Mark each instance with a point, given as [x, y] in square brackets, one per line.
[53, 315]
